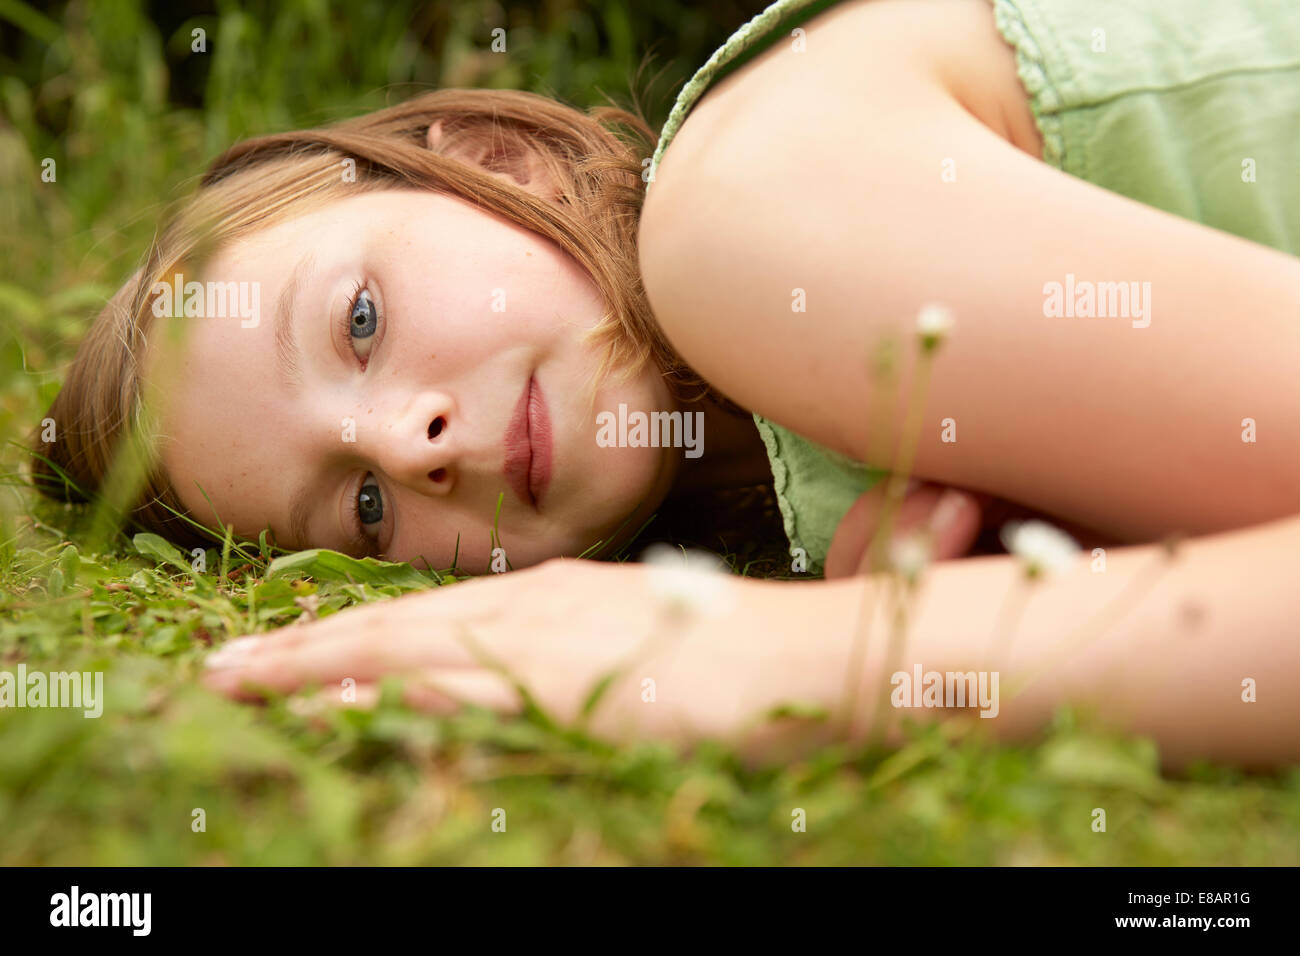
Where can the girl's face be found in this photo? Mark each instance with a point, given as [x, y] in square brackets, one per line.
[382, 404]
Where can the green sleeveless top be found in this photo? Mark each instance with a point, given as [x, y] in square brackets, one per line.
[1191, 107]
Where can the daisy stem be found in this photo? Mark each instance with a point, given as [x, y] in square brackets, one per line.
[897, 639]
[902, 470]
[896, 482]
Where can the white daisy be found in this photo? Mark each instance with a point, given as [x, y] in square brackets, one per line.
[1043, 548]
[910, 554]
[688, 580]
[934, 323]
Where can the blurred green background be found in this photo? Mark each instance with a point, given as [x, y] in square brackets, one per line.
[113, 93]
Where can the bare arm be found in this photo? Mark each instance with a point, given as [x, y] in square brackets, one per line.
[1159, 648]
[1157, 645]
[823, 173]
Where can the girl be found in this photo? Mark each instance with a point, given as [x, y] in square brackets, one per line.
[451, 300]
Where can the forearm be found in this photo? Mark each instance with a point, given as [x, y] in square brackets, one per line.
[1160, 646]
[1157, 645]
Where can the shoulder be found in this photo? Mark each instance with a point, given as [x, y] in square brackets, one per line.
[799, 209]
[776, 124]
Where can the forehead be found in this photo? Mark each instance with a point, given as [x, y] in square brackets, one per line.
[228, 421]
[223, 411]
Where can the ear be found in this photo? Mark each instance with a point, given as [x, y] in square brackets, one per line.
[523, 167]
[433, 138]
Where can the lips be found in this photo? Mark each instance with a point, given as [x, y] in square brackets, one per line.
[528, 446]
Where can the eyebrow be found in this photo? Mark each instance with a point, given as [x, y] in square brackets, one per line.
[287, 351]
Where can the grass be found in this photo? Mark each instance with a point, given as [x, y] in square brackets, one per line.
[130, 115]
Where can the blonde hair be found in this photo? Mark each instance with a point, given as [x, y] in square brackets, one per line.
[571, 176]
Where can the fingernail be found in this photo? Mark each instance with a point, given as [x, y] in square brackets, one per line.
[951, 504]
[232, 652]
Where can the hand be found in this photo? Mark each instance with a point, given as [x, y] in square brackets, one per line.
[956, 523]
[558, 627]
[951, 518]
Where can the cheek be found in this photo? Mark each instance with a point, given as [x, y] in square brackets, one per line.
[435, 532]
[622, 476]
[469, 316]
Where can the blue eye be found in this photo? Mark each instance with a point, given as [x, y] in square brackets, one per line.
[357, 326]
[370, 504]
[364, 317]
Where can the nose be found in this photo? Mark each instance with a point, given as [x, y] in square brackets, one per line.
[415, 447]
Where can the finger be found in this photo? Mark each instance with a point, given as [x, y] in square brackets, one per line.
[950, 516]
[339, 637]
[248, 666]
[446, 691]
[465, 601]
[437, 692]
[353, 697]
[462, 602]
[954, 523]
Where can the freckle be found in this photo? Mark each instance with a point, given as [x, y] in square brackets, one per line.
[1193, 615]
[369, 410]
